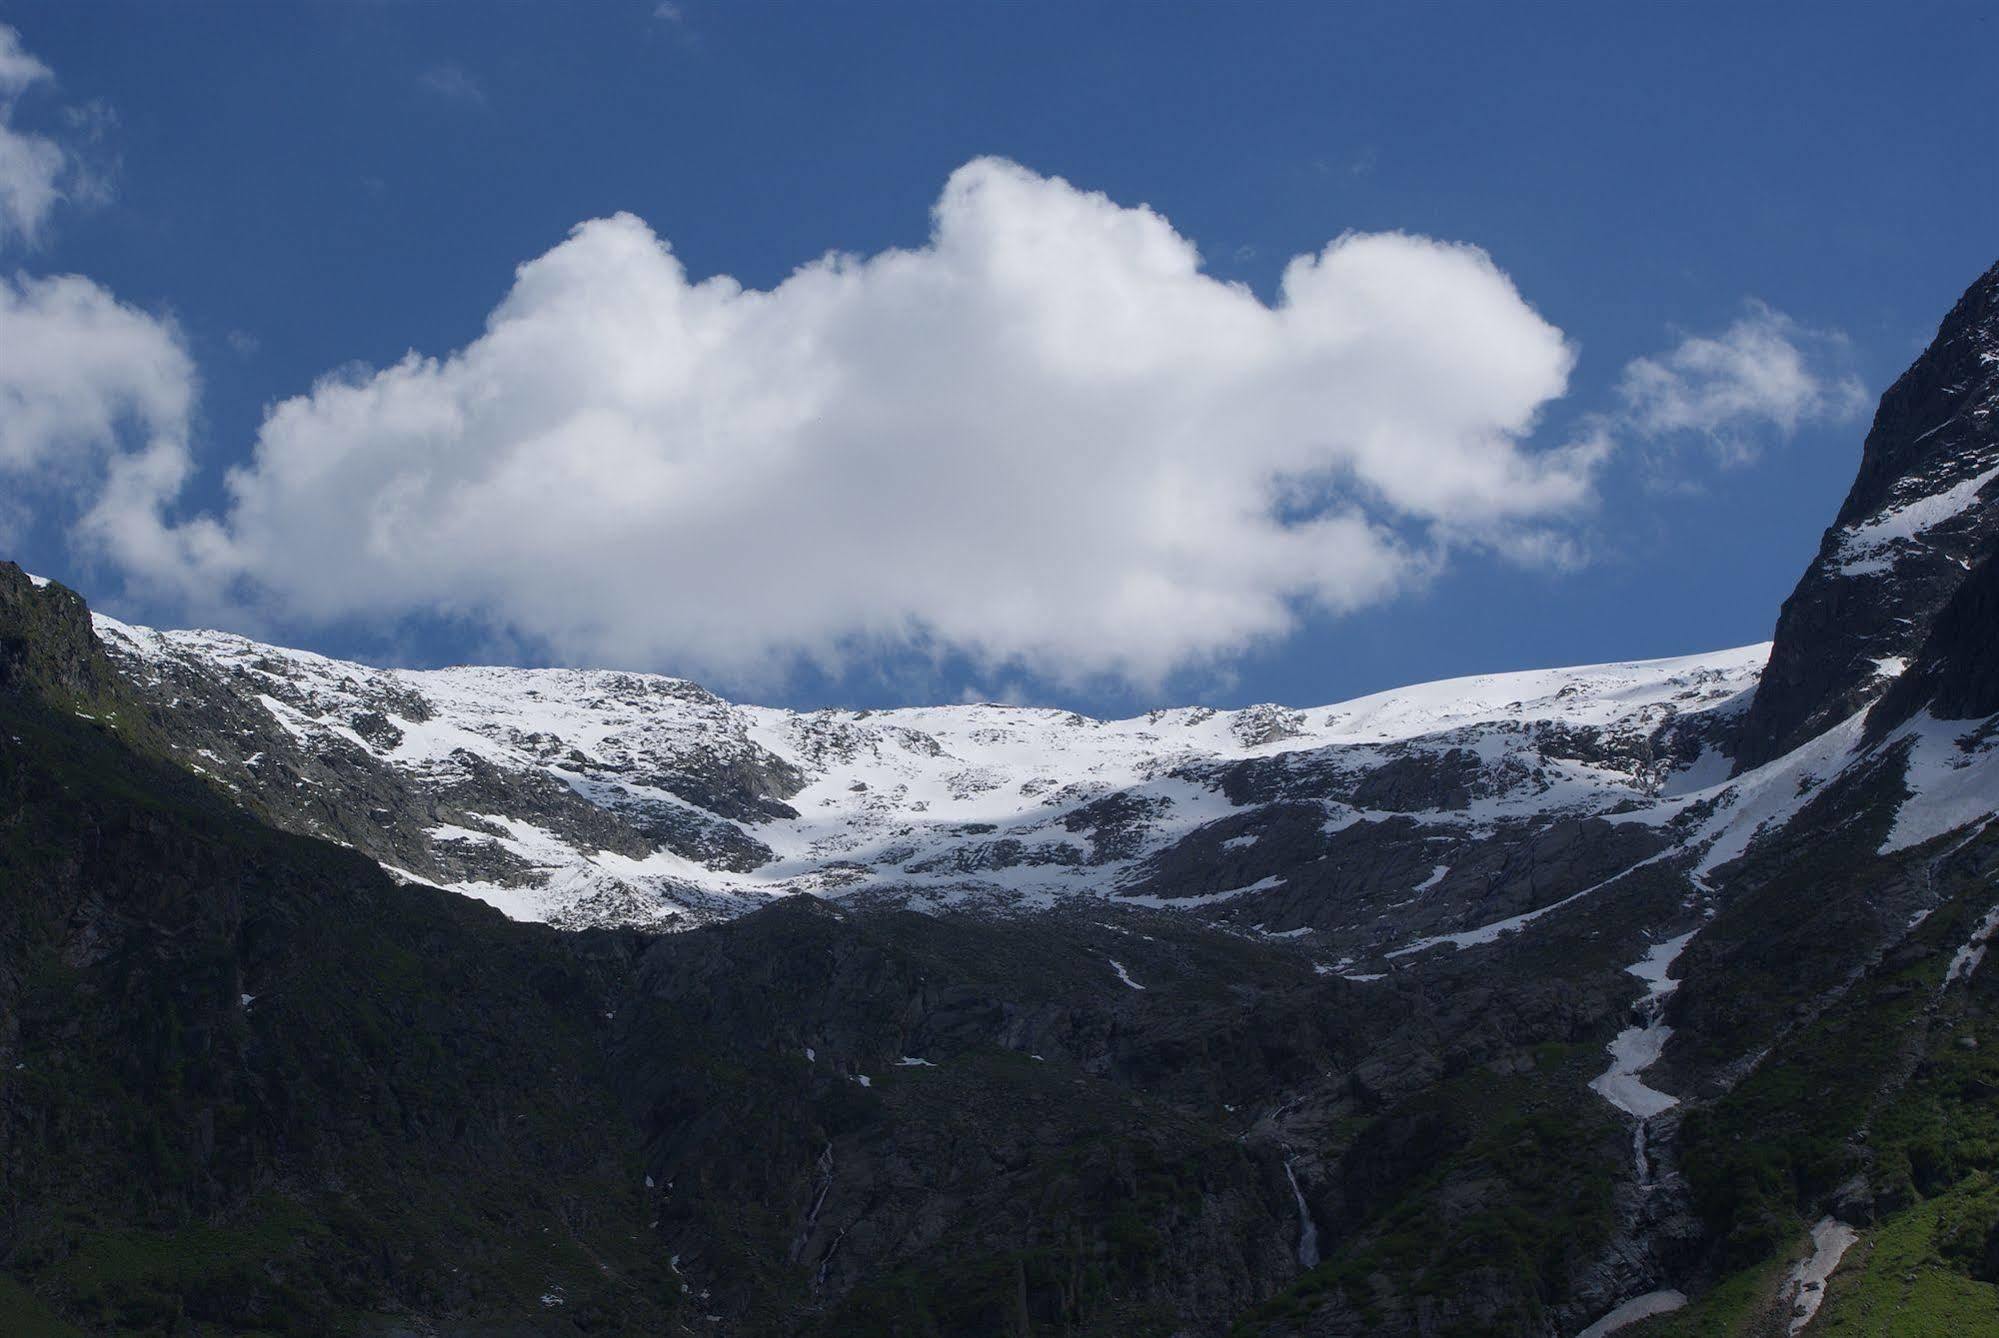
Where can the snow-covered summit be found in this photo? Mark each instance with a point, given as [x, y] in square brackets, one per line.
[586, 796]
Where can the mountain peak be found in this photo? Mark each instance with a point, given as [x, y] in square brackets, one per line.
[47, 648]
[1932, 412]
[1922, 513]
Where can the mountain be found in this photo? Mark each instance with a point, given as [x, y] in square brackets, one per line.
[590, 798]
[1648, 998]
[1923, 510]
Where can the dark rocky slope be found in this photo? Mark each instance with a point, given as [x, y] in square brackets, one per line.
[249, 1084]
[260, 1087]
[1955, 675]
[427, 1117]
[1923, 508]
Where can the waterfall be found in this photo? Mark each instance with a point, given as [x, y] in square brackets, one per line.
[1308, 1232]
[825, 1169]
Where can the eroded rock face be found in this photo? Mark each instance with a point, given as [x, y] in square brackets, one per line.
[1923, 511]
[1956, 673]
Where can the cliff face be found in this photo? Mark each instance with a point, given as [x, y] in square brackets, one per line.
[47, 645]
[1922, 512]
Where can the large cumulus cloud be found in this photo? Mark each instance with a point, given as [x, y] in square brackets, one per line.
[1045, 439]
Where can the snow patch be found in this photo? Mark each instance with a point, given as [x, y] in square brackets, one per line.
[1637, 1308]
[1969, 957]
[1493, 932]
[1123, 974]
[1767, 798]
[1870, 547]
[1948, 786]
[949, 806]
[1636, 1048]
[1805, 1287]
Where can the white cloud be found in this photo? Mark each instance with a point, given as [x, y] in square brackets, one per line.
[32, 167]
[1045, 439]
[1764, 371]
[87, 383]
[18, 69]
[84, 377]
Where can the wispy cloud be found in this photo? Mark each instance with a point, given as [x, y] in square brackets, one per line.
[454, 83]
[674, 18]
[1764, 373]
[33, 167]
[18, 69]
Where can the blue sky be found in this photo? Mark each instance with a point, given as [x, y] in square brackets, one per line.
[292, 191]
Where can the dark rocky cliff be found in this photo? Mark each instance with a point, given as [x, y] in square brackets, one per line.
[1912, 525]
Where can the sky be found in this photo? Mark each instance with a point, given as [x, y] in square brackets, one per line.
[1105, 356]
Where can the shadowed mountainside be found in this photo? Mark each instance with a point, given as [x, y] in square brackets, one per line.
[1493, 1007]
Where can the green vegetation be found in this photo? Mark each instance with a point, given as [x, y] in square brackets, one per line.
[1932, 1272]
[1740, 1306]
[1782, 1140]
[1893, 1087]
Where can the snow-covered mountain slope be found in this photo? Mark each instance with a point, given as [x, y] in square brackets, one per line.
[1450, 813]
[592, 797]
